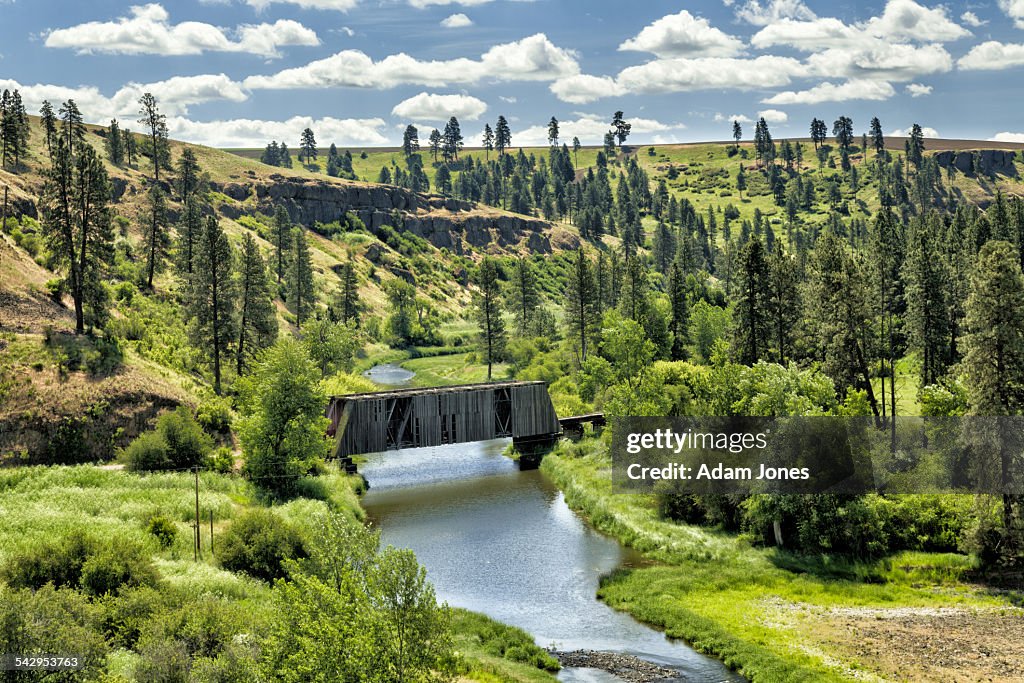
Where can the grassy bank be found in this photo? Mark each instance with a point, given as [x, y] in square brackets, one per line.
[767, 614]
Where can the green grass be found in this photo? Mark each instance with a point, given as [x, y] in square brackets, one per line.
[737, 602]
[458, 368]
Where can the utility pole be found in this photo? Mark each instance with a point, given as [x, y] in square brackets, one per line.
[211, 532]
[195, 553]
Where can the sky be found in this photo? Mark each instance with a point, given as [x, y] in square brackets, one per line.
[239, 73]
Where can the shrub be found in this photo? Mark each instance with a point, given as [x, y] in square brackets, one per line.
[187, 443]
[147, 453]
[117, 564]
[55, 288]
[163, 529]
[214, 414]
[221, 460]
[58, 562]
[258, 543]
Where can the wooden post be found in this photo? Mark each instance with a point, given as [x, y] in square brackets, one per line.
[211, 531]
[195, 554]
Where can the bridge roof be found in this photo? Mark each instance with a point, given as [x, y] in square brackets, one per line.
[425, 391]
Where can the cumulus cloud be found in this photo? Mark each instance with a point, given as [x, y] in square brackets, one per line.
[710, 73]
[584, 88]
[1015, 10]
[683, 35]
[420, 4]
[972, 19]
[830, 92]
[773, 116]
[340, 5]
[175, 95]
[763, 14]
[992, 56]
[881, 60]
[431, 107]
[256, 133]
[905, 132]
[148, 31]
[590, 129]
[457, 21]
[918, 89]
[907, 20]
[534, 58]
[742, 118]
[1007, 137]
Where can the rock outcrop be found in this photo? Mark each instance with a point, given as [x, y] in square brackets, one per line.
[985, 161]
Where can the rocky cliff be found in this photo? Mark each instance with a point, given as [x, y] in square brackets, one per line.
[985, 161]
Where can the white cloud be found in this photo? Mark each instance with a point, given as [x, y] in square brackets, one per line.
[584, 88]
[758, 14]
[590, 129]
[907, 20]
[257, 133]
[905, 132]
[420, 4]
[918, 89]
[972, 19]
[340, 5]
[992, 56]
[430, 107]
[1007, 137]
[742, 118]
[773, 116]
[683, 35]
[830, 92]
[534, 58]
[149, 31]
[175, 96]
[808, 36]
[459, 20]
[1015, 10]
[511, 99]
[881, 60]
[710, 73]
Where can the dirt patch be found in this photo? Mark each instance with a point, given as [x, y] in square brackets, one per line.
[921, 644]
[628, 668]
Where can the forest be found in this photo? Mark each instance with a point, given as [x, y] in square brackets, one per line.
[836, 275]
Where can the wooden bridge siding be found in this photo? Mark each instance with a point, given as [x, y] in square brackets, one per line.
[361, 421]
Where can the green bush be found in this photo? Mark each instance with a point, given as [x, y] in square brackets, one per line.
[163, 529]
[187, 443]
[117, 564]
[214, 415]
[258, 543]
[147, 453]
[58, 562]
[222, 460]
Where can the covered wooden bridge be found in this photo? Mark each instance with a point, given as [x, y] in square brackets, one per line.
[414, 418]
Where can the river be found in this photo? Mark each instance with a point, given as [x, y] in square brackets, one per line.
[503, 542]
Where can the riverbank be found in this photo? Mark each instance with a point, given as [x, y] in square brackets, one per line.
[744, 606]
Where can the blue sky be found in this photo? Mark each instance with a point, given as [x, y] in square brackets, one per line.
[242, 72]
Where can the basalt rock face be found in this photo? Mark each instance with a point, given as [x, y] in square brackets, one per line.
[985, 161]
[444, 222]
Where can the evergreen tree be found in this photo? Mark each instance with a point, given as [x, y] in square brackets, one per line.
[620, 127]
[737, 134]
[284, 157]
[307, 148]
[347, 306]
[49, 122]
[115, 143]
[150, 116]
[451, 141]
[576, 147]
[819, 131]
[76, 223]
[581, 312]
[282, 238]
[488, 140]
[131, 148]
[301, 294]
[212, 297]
[553, 132]
[435, 143]
[72, 127]
[523, 296]
[752, 313]
[502, 136]
[679, 321]
[410, 140]
[877, 137]
[156, 234]
[189, 177]
[257, 319]
[188, 235]
[487, 306]
[783, 301]
[271, 154]
[915, 146]
[842, 128]
[633, 300]
[927, 284]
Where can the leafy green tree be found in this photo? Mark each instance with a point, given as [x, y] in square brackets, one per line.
[487, 305]
[523, 296]
[402, 301]
[257, 319]
[283, 424]
[156, 234]
[752, 330]
[213, 297]
[301, 294]
[331, 345]
[76, 222]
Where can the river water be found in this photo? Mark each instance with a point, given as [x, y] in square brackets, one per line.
[503, 542]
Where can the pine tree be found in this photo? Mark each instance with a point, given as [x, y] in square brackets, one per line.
[633, 300]
[553, 132]
[189, 175]
[620, 128]
[72, 127]
[679, 321]
[347, 306]
[752, 330]
[581, 311]
[842, 128]
[115, 143]
[257, 319]
[435, 142]
[576, 147]
[150, 116]
[927, 284]
[156, 234]
[307, 149]
[502, 136]
[76, 223]
[284, 157]
[212, 297]
[783, 300]
[301, 294]
[877, 137]
[487, 305]
[49, 122]
[410, 140]
[737, 134]
[282, 239]
[523, 296]
[188, 236]
[130, 146]
[451, 141]
[915, 146]
[488, 140]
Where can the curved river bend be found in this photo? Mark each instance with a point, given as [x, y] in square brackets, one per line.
[503, 542]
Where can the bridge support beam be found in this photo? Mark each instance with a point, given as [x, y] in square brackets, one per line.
[531, 450]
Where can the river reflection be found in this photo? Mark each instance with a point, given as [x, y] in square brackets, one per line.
[503, 542]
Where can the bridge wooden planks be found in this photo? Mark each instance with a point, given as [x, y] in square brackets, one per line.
[413, 418]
